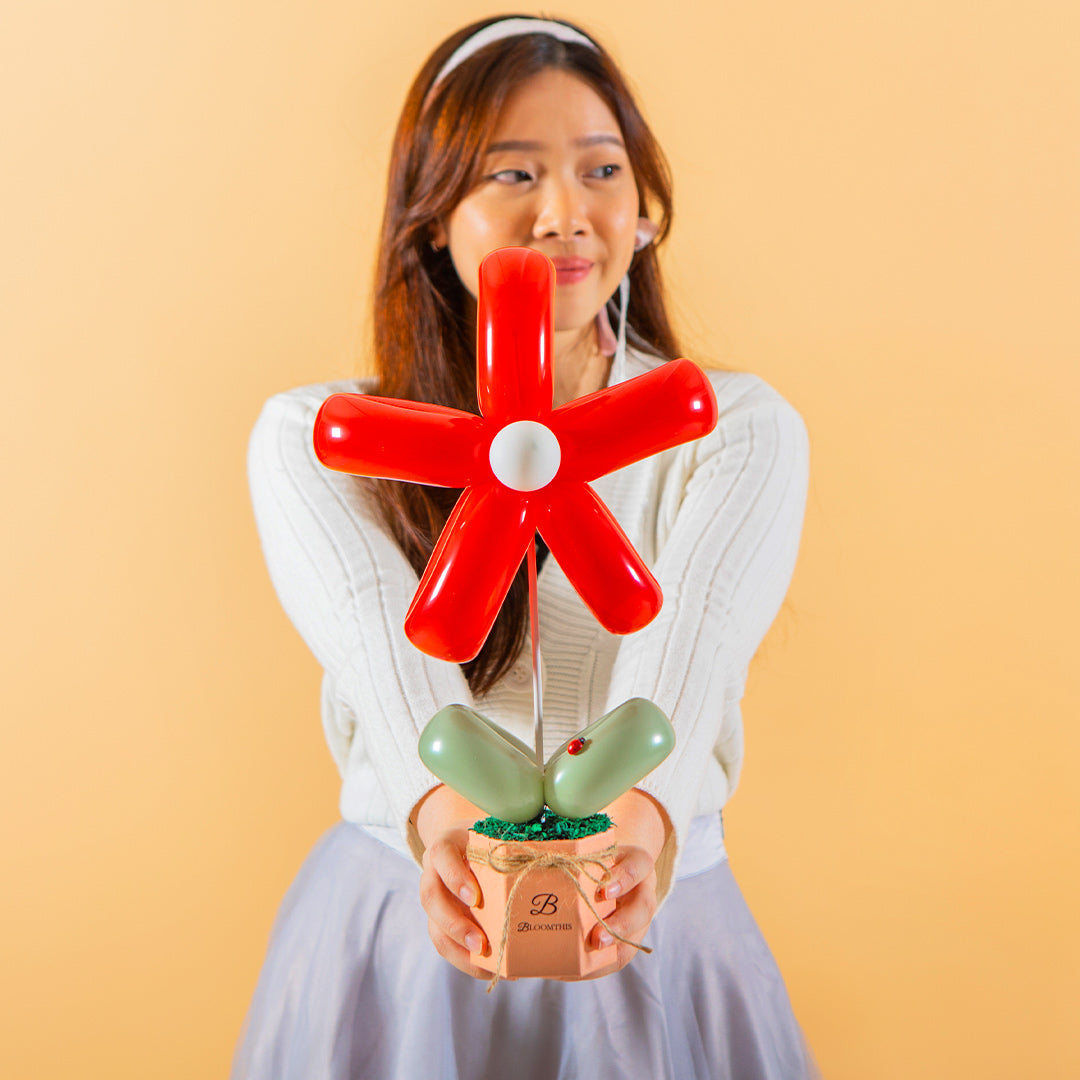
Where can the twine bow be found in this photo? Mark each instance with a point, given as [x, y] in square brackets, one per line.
[524, 860]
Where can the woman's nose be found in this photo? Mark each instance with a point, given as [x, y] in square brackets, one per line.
[561, 213]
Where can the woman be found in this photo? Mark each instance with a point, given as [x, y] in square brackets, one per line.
[523, 132]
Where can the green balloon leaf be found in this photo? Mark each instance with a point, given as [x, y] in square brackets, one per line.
[497, 772]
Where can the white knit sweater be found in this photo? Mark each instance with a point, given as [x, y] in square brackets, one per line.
[718, 521]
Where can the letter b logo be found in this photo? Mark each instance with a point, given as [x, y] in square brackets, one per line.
[545, 903]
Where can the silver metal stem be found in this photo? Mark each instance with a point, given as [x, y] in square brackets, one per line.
[534, 632]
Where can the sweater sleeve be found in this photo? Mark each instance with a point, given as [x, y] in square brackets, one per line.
[346, 586]
[731, 514]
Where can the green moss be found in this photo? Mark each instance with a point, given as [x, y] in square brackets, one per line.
[547, 825]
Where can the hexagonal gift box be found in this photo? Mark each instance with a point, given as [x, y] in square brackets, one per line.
[549, 922]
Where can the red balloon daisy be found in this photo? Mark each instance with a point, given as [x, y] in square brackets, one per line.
[524, 466]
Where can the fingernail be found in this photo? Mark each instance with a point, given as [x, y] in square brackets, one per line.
[605, 938]
[612, 890]
[474, 942]
[468, 894]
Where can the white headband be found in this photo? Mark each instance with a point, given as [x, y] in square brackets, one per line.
[505, 28]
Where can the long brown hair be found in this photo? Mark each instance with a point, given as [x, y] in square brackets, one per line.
[424, 334]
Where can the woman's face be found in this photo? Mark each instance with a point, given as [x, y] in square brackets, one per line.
[556, 178]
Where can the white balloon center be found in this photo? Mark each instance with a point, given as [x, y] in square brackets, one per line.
[525, 455]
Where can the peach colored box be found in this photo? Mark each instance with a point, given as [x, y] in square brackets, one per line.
[549, 921]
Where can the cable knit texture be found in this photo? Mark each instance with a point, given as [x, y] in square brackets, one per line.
[717, 520]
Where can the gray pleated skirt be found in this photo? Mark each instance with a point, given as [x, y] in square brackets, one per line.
[352, 989]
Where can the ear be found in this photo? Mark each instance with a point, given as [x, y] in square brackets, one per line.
[645, 233]
[438, 236]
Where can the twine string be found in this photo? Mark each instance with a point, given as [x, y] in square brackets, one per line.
[523, 861]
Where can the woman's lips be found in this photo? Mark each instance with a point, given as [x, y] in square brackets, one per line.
[571, 271]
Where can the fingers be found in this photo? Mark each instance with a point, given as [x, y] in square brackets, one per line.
[632, 867]
[446, 857]
[453, 932]
[631, 882]
[631, 918]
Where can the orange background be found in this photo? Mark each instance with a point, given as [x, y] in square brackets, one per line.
[876, 211]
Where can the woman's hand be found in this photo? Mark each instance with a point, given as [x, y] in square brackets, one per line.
[642, 829]
[447, 886]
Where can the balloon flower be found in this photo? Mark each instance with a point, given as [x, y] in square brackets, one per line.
[525, 468]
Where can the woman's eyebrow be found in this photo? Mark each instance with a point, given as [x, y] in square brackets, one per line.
[531, 144]
[513, 144]
[598, 139]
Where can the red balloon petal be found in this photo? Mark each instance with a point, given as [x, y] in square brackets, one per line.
[597, 557]
[469, 573]
[402, 440]
[671, 404]
[513, 335]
